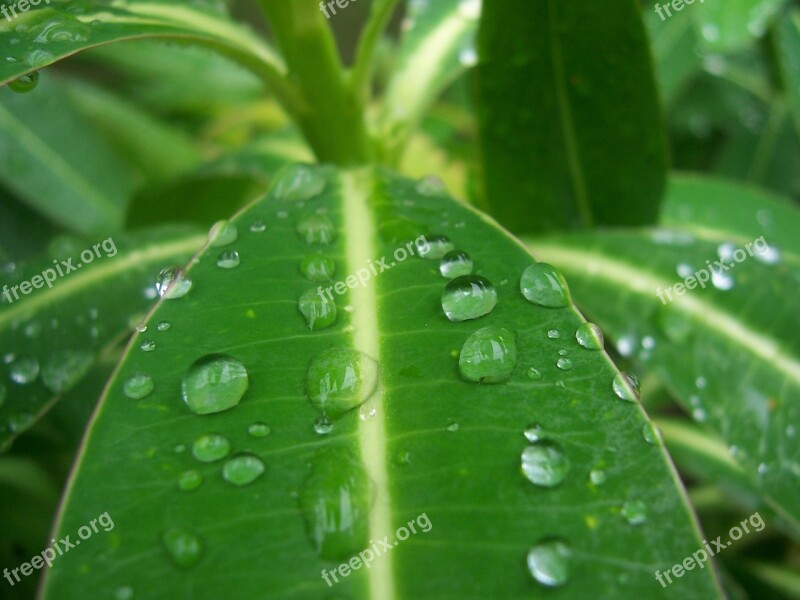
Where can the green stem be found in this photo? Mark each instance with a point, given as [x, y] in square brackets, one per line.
[361, 75]
[331, 117]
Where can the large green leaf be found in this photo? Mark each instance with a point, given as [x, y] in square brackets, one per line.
[410, 434]
[51, 335]
[571, 130]
[728, 349]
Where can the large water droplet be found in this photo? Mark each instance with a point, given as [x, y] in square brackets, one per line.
[318, 267]
[64, 369]
[24, 84]
[298, 183]
[626, 386]
[317, 229]
[489, 355]
[228, 260]
[190, 480]
[138, 386]
[211, 447]
[340, 380]
[456, 263]
[548, 562]
[214, 383]
[222, 233]
[183, 546]
[468, 297]
[435, 247]
[545, 464]
[23, 370]
[318, 311]
[243, 469]
[335, 502]
[544, 285]
[634, 512]
[590, 336]
[173, 283]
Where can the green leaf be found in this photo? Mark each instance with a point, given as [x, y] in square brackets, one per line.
[51, 336]
[732, 25]
[61, 167]
[787, 44]
[410, 433]
[436, 47]
[674, 44]
[743, 322]
[571, 131]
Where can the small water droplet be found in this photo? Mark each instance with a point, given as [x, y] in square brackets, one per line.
[597, 476]
[141, 327]
[33, 329]
[722, 280]
[317, 229]
[258, 227]
[626, 386]
[243, 469]
[634, 512]
[544, 285]
[323, 426]
[24, 84]
[468, 297]
[148, 345]
[124, 592]
[534, 374]
[544, 464]
[190, 480]
[138, 386]
[650, 433]
[319, 312]
[455, 263]
[488, 356]
[259, 430]
[211, 447]
[340, 380]
[404, 458]
[228, 260]
[590, 336]
[453, 427]
[24, 370]
[172, 283]
[468, 56]
[298, 183]
[548, 562]
[222, 233]
[534, 433]
[564, 364]
[183, 546]
[214, 383]
[318, 267]
[554, 334]
[435, 247]
[164, 326]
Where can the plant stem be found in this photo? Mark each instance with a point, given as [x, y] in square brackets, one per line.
[361, 75]
[332, 116]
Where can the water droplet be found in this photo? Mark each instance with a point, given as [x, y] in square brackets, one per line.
[597, 476]
[214, 383]
[25, 83]
[404, 458]
[335, 502]
[590, 336]
[554, 334]
[564, 364]
[534, 433]
[258, 227]
[544, 464]
[626, 386]
[534, 374]
[317, 267]
[431, 186]
[259, 430]
[468, 56]
[468, 297]
[650, 433]
[548, 562]
[562, 352]
[138, 386]
[243, 469]
[722, 280]
[435, 247]
[64, 29]
[453, 427]
[141, 327]
[211, 447]
[32, 329]
[184, 547]
[228, 259]
[164, 326]
[317, 229]
[298, 183]
[190, 480]
[340, 380]
[24, 370]
[768, 255]
[634, 512]
[455, 263]
[323, 426]
[488, 356]
[222, 233]
[173, 283]
[544, 285]
[124, 592]
[148, 345]
[64, 369]
[319, 312]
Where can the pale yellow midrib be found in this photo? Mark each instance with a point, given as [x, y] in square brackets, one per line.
[360, 231]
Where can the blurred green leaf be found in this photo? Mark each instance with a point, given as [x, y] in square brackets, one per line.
[571, 132]
[787, 44]
[730, 25]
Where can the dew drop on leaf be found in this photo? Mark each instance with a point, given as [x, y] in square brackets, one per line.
[548, 562]
[533, 433]
[634, 512]
[435, 248]
[228, 260]
[590, 336]
[318, 311]
[650, 433]
[23, 370]
[544, 464]
[24, 84]
[298, 183]
[211, 447]
[243, 469]
[317, 267]
[534, 374]
[190, 480]
[148, 345]
[317, 229]
[258, 430]
[222, 233]
[258, 227]
[626, 386]
[455, 263]
[183, 546]
[164, 326]
[173, 283]
[214, 383]
[597, 476]
[323, 426]
[64, 369]
[564, 364]
[468, 297]
[488, 356]
[138, 386]
[544, 285]
[340, 380]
